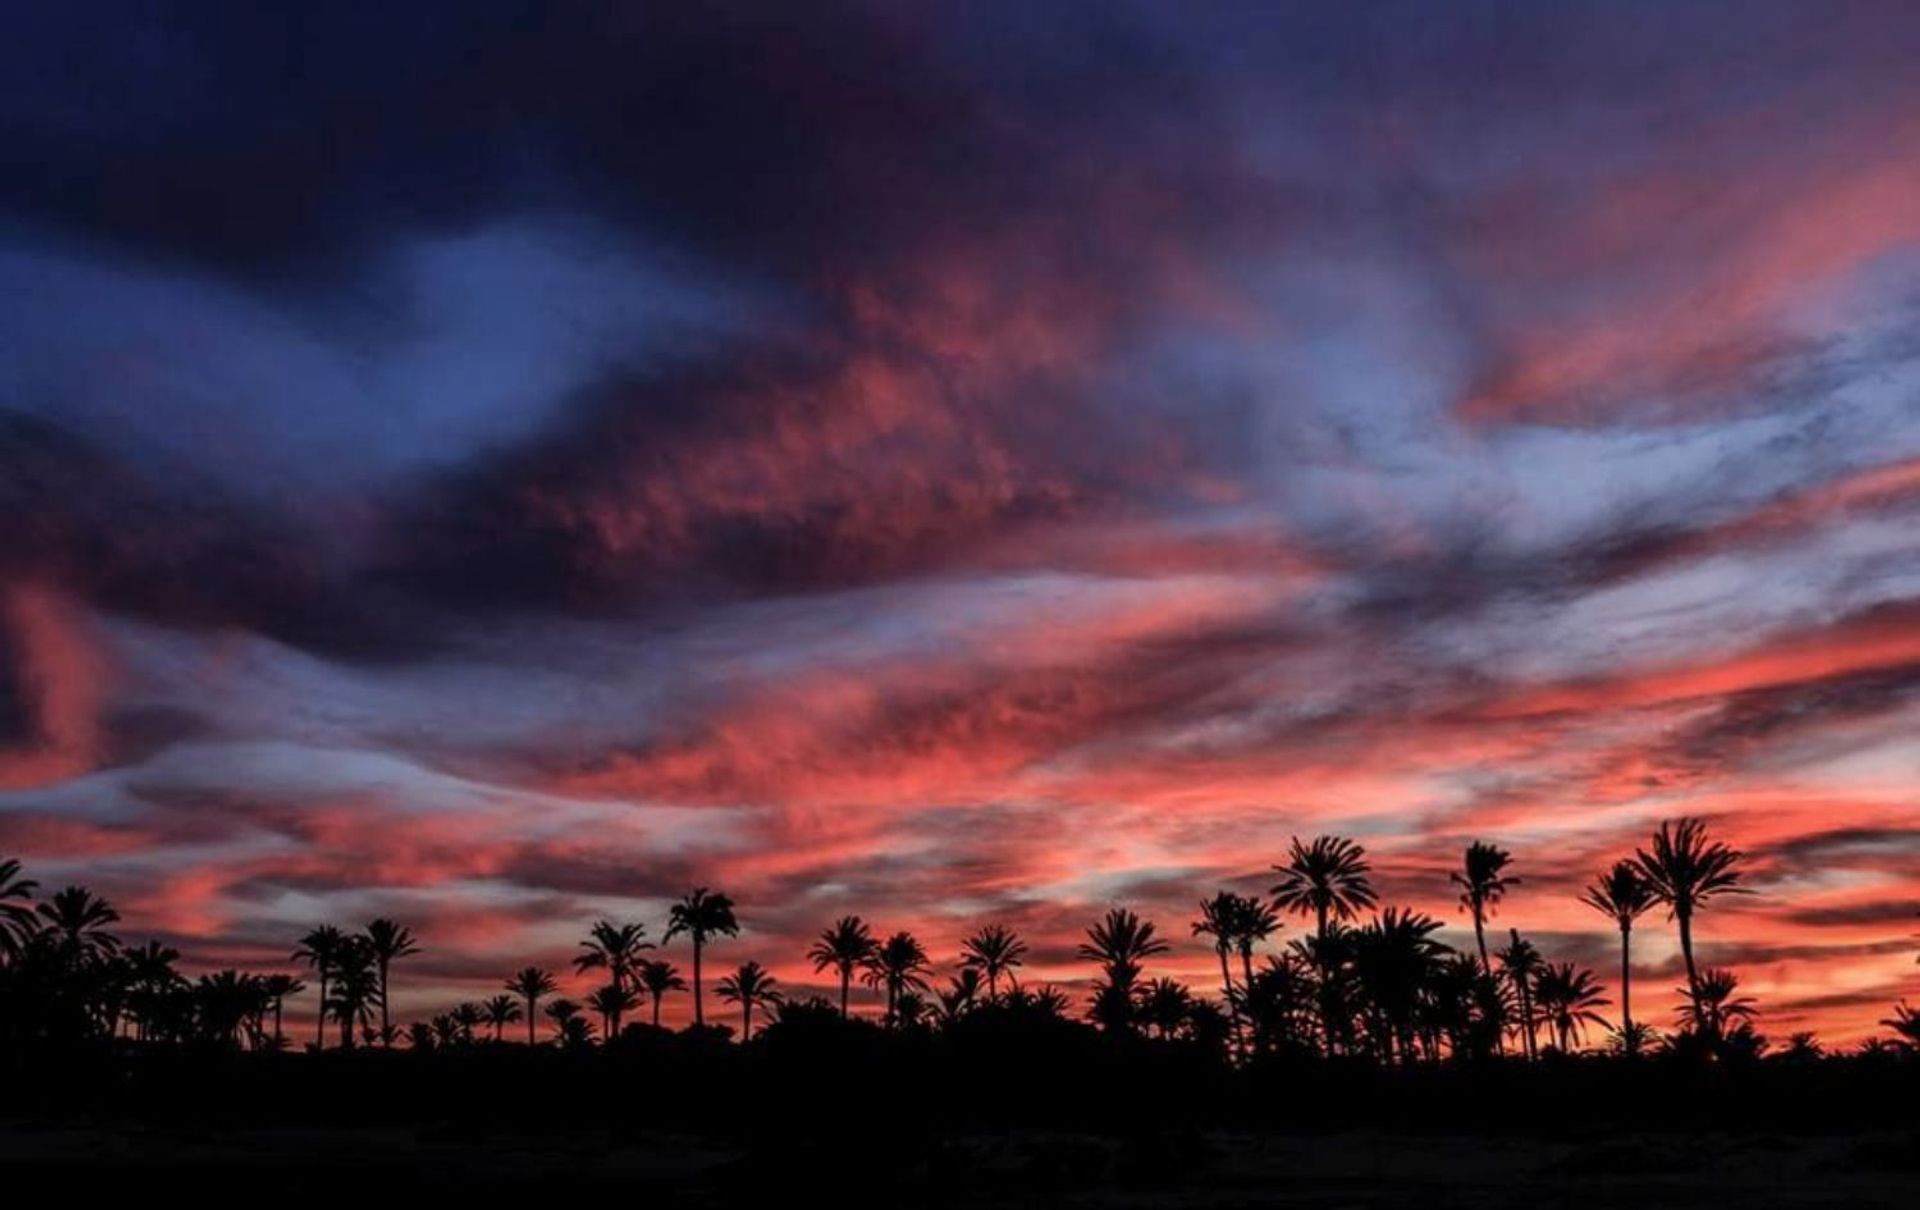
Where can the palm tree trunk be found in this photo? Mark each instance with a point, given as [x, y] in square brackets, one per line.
[1686, 951]
[530, 1019]
[656, 1010]
[386, 1027]
[1326, 976]
[746, 1021]
[320, 1025]
[1626, 985]
[699, 1016]
[1246, 981]
[1233, 1006]
[1480, 935]
[846, 979]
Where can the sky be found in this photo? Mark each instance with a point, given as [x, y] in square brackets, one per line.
[499, 465]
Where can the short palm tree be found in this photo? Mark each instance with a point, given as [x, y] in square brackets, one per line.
[1165, 1004]
[1567, 996]
[846, 947]
[616, 949]
[321, 949]
[1905, 1021]
[898, 966]
[356, 987]
[277, 988]
[1623, 895]
[532, 984]
[659, 977]
[501, 1011]
[701, 915]
[1121, 942]
[1520, 961]
[612, 1002]
[748, 986]
[996, 952]
[1220, 920]
[390, 942]
[1483, 883]
[1686, 870]
[78, 919]
[1714, 1004]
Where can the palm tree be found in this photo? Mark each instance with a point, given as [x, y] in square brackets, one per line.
[616, 949]
[845, 947]
[320, 949]
[1624, 895]
[899, 966]
[1121, 943]
[16, 919]
[1687, 870]
[994, 951]
[612, 1002]
[1220, 919]
[501, 1011]
[356, 987]
[961, 997]
[530, 984]
[1483, 882]
[1166, 1004]
[1714, 1004]
[1328, 881]
[748, 986]
[1253, 922]
[78, 920]
[1905, 1022]
[700, 915]
[390, 941]
[659, 977]
[468, 1017]
[1567, 996]
[569, 1026]
[277, 988]
[1520, 961]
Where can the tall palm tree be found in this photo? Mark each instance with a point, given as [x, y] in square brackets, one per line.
[1483, 883]
[748, 986]
[701, 915]
[1254, 921]
[994, 951]
[1623, 895]
[1327, 880]
[1519, 962]
[530, 984]
[501, 1011]
[659, 977]
[277, 988]
[78, 920]
[899, 966]
[320, 949]
[356, 987]
[1121, 942]
[390, 942]
[846, 947]
[1686, 871]
[614, 948]
[16, 918]
[1567, 996]
[1220, 919]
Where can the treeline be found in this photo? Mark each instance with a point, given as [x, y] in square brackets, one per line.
[1370, 984]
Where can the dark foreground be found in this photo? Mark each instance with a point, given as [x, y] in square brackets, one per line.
[1022, 1168]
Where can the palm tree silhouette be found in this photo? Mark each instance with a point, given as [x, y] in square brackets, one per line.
[659, 977]
[356, 986]
[1686, 870]
[1624, 895]
[1714, 1004]
[899, 966]
[846, 947]
[1519, 962]
[1328, 881]
[1566, 996]
[961, 997]
[612, 1002]
[530, 984]
[1483, 883]
[748, 986]
[1121, 943]
[1905, 1022]
[701, 915]
[277, 989]
[78, 920]
[16, 918]
[1166, 1005]
[616, 949]
[390, 942]
[994, 951]
[320, 949]
[569, 1026]
[501, 1011]
[1220, 920]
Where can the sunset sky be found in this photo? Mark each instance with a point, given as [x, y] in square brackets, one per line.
[500, 468]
